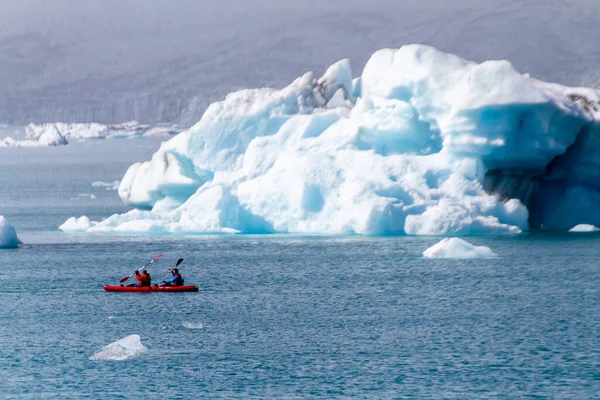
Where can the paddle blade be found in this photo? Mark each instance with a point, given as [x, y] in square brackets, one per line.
[179, 261]
[124, 279]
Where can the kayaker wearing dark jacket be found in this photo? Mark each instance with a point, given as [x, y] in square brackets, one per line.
[174, 280]
[146, 279]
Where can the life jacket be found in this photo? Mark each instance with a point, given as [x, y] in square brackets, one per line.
[146, 280]
[178, 280]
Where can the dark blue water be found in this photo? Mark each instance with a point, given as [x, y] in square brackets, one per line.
[291, 317]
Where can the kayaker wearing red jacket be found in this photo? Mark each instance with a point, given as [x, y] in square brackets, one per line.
[139, 278]
[175, 279]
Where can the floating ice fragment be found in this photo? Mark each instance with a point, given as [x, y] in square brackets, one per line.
[121, 350]
[192, 325]
[90, 196]
[108, 185]
[457, 248]
[584, 228]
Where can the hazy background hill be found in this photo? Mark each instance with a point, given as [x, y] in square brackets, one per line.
[165, 60]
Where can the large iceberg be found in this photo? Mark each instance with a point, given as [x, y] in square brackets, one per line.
[8, 235]
[422, 143]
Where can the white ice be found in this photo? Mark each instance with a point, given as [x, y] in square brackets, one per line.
[424, 143]
[60, 133]
[8, 235]
[457, 248]
[584, 228]
[82, 131]
[107, 185]
[192, 325]
[121, 350]
[80, 224]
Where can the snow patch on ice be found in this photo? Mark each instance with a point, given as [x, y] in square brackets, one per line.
[8, 235]
[74, 224]
[121, 350]
[192, 325]
[457, 248]
[584, 228]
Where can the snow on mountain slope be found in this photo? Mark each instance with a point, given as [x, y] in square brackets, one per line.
[156, 61]
[427, 144]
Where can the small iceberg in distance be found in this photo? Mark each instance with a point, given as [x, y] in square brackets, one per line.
[8, 235]
[121, 350]
[192, 325]
[74, 224]
[584, 228]
[457, 248]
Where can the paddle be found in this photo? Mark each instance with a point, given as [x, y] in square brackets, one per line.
[154, 259]
[178, 262]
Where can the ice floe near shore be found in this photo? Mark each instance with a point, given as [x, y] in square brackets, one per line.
[121, 350]
[422, 143]
[457, 248]
[8, 235]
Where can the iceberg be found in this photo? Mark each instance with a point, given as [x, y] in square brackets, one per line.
[457, 248]
[584, 228]
[121, 350]
[59, 133]
[82, 131]
[80, 224]
[10, 142]
[421, 143]
[8, 235]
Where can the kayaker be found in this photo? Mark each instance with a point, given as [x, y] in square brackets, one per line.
[139, 278]
[175, 280]
[146, 279]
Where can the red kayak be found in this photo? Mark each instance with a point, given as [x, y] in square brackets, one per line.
[145, 289]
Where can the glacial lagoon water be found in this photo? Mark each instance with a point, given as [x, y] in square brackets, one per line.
[280, 316]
